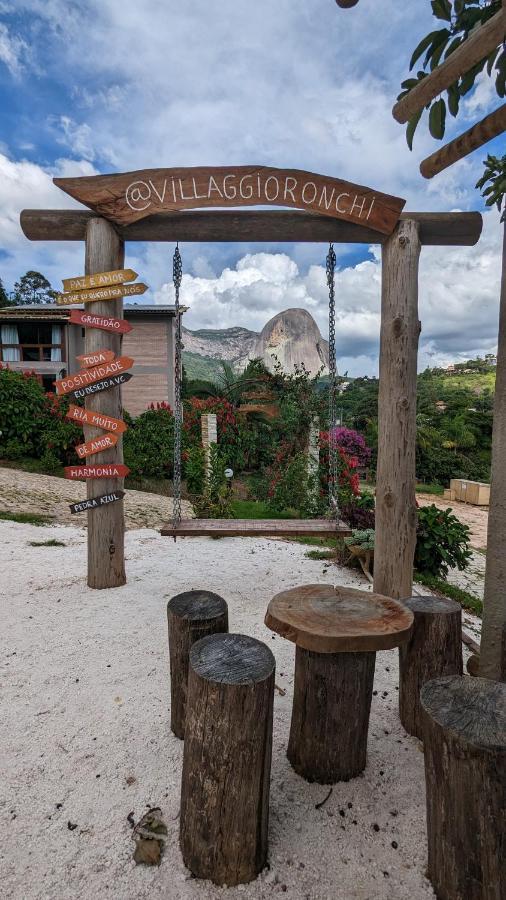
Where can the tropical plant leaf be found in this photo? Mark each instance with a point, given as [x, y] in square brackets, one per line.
[422, 46]
[411, 128]
[453, 99]
[442, 9]
[437, 119]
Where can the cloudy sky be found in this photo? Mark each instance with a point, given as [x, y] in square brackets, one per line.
[92, 87]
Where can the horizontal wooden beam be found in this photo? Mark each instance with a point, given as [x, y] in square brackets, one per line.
[478, 45]
[440, 229]
[489, 127]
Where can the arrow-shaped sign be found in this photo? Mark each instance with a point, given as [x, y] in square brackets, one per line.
[88, 360]
[95, 502]
[114, 292]
[96, 445]
[106, 470]
[105, 323]
[88, 376]
[100, 279]
[97, 386]
[99, 420]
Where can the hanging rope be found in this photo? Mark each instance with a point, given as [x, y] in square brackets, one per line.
[177, 273]
[332, 474]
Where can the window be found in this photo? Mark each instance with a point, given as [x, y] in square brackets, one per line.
[32, 342]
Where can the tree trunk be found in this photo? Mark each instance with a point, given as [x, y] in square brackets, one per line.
[227, 758]
[330, 715]
[493, 636]
[190, 616]
[106, 524]
[464, 722]
[434, 649]
[395, 536]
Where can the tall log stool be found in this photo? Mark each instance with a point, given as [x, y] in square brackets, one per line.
[337, 632]
[190, 616]
[227, 758]
[434, 649]
[464, 722]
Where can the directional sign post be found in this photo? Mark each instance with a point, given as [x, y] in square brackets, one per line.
[115, 381]
[88, 376]
[98, 420]
[88, 360]
[113, 292]
[103, 470]
[96, 445]
[101, 279]
[105, 323]
[95, 502]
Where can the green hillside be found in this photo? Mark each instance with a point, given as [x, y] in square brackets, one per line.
[202, 367]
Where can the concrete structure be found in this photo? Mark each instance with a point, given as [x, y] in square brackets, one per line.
[40, 338]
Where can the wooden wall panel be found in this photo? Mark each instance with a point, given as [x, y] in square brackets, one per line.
[147, 343]
[142, 390]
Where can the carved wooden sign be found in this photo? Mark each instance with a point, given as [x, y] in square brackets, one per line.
[88, 376]
[95, 502]
[125, 198]
[105, 470]
[99, 420]
[106, 323]
[113, 292]
[101, 279]
[96, 445]
[88, 360]
[104, 385]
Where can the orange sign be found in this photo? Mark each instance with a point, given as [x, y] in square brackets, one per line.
[100, 279]
[106, 470]
[99, 420]
[96, 445]
[88, 360]
[88, 376]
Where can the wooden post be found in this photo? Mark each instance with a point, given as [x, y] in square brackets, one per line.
[395, 483]
[464, 725]
[227, 758]
[434, 649]
[209, 430]
[106, 525]
[493, 636]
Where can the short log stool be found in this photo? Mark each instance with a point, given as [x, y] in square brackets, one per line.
[464, 721]
[337, 632]
[227, 758]
[190, 616]
[434, 649]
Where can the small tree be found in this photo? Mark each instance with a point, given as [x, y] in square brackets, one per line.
[33, 287]
[4, 299]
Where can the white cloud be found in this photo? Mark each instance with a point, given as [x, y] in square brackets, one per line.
[13, 51]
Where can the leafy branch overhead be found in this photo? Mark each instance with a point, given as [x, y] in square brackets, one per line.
[462, 17]
[494, 177]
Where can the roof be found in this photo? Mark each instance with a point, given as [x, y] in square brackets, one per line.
[54, 311]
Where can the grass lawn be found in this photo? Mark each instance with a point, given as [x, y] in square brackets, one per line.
[256, 509]
[24, 518]
[430, 488]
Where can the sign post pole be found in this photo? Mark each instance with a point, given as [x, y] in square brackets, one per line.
[106, 524]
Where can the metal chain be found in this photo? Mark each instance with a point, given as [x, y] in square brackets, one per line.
[177, 274]
[332, 473]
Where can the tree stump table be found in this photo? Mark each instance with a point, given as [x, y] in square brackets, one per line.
[337, 632]
[434, 649]
[227, 758]
[190, 616]
[464, 723]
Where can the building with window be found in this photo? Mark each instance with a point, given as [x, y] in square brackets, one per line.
[40, 338]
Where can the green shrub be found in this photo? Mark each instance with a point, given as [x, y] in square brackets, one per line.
[442, 541]
[195, 470]
[361, 538]
[21, 411]
[215, 501]
[296, 487]
[148, 445]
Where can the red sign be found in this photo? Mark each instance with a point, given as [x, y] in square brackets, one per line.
[106, 470]
[88, 376]
[88, 360]
[99, 420]
[106, 323]
[96, 445]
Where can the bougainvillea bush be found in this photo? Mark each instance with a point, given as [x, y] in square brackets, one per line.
[353, 444]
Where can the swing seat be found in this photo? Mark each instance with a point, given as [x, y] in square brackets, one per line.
[256, 528]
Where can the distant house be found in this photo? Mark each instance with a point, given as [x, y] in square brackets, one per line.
[40, 338]
[440, 406]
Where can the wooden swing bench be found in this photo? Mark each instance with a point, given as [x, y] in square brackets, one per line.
[325, 528]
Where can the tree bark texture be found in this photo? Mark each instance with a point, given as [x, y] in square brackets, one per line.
[227, 758]
[395, 482]
[190, 617]
[330, 715]
[493, 637]
[106, 524]
[434, 649]
[465, 771]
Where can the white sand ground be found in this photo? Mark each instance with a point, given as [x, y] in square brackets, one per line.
[85, 693]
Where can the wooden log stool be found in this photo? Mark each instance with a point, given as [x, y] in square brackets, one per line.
[337, 632]
[227, 758]
[434, 649]
[464, 722]
[190, 616]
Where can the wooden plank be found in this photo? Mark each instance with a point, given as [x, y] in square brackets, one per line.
[96, 445]
[98, 470]
[107, 293]
[99, 420]
[489, 127]
[96, 387]
[88, 376]
[92, 320]
[395, 478]
[94, 359]
[101, 279]
[130, 196]
[94, 503]
[478, 45]
[459, 229]
[256, 528]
